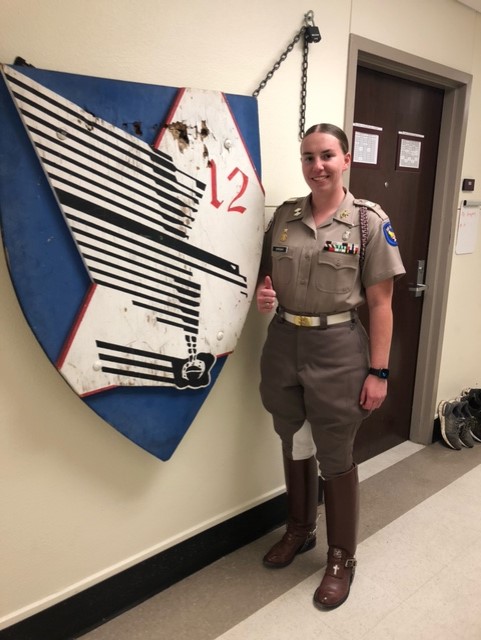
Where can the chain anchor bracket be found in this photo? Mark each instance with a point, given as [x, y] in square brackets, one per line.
[310, 34]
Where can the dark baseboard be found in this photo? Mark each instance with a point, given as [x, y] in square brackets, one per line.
[81, 613]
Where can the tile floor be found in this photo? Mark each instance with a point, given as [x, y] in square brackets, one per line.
[418, 578]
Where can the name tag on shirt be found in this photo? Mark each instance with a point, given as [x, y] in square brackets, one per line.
[280, 249]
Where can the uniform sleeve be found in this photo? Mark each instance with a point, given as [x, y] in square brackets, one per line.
[383, 258]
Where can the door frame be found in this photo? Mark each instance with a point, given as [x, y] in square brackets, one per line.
[446, 199]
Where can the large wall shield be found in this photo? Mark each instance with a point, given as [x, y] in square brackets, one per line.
[132, 219]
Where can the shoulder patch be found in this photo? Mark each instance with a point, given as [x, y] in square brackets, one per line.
[389, 234]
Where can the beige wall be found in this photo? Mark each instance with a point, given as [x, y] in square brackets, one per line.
[78, 501]
[461, 363]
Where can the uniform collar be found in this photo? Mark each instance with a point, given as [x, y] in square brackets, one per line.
[345, 212]
[302, 210]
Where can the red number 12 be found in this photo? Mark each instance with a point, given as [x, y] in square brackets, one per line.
[213, 179]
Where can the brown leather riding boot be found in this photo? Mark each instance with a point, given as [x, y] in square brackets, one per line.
[302, 490]
[341, 497]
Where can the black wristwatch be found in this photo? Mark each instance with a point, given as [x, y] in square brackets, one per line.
[380, 373]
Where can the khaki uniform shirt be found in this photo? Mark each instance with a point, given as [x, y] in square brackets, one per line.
[317, 270]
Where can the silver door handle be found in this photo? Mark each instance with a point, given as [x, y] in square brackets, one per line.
[418, 289]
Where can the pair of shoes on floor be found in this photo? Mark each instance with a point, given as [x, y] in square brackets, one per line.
[460, 419]
[473, 398]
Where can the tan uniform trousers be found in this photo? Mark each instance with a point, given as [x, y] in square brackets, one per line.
[311, 380]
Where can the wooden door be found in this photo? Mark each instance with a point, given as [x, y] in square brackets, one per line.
[405, 118]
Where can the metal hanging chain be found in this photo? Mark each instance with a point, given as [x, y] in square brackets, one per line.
[302, 109]
[311, 34]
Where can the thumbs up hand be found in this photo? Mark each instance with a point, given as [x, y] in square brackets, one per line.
[266, 296]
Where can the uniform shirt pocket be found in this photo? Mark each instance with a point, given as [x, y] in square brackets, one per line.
[336, 272]
[282, 267]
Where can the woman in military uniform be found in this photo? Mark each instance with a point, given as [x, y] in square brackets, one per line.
[324, 255]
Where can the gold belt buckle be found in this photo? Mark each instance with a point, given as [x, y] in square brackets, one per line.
[302, 321]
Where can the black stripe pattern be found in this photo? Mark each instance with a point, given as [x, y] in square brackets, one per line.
[130, 210]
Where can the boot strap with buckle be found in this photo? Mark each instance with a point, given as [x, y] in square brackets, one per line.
[336, 583]
[291, 544]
